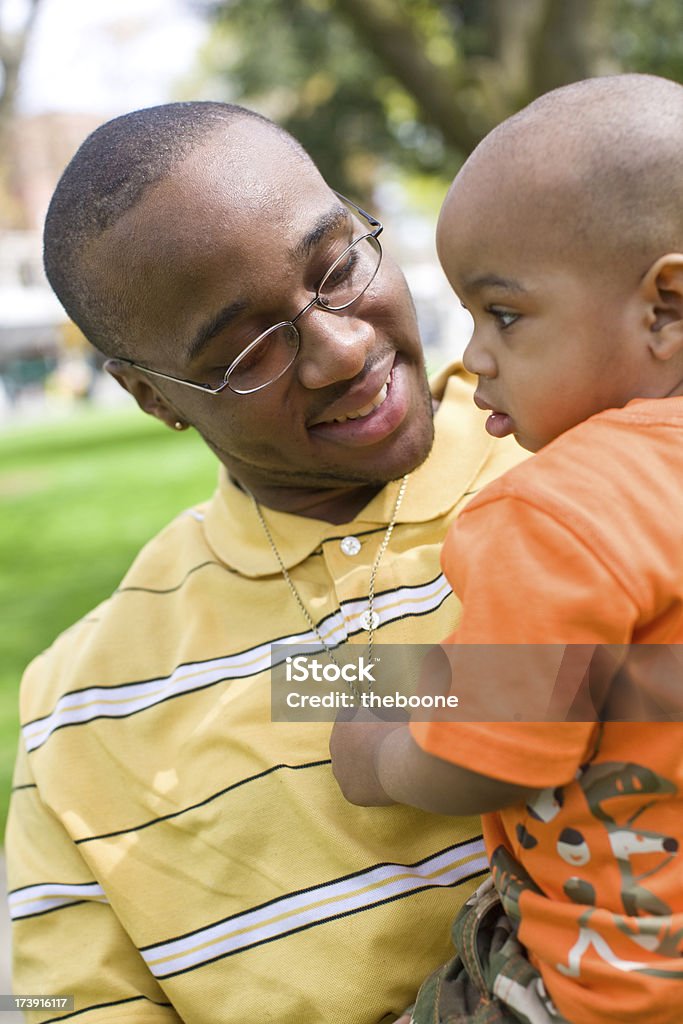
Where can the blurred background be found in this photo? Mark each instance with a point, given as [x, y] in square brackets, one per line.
[389, 97]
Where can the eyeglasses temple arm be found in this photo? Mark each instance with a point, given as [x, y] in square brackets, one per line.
[205, 388]
[368, 216]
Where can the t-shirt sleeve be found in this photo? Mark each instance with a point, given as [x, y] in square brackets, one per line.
[525, 577]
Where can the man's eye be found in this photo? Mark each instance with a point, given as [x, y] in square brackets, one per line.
[341, 273]
[504, 317]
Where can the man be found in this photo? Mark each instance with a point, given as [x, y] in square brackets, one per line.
[173, 853]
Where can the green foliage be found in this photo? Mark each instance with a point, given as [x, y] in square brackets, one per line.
[303, 65]
[336, 74]
[648, 37]
[77, 501]
[303, 68]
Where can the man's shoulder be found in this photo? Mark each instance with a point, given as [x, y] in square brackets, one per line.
[98, 646]
[175, 550]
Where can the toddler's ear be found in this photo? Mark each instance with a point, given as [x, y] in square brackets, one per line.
[663, 289]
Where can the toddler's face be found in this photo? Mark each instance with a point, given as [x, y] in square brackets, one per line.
[553, 343]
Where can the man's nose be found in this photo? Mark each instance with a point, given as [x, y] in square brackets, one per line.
[334, 347]
[477, 359]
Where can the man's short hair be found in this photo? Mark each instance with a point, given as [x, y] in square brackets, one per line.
[108, 176]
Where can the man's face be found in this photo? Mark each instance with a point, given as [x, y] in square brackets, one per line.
[236, 240]
[553, 341]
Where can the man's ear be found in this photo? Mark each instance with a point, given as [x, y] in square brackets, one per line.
[145, 394]
[663, 289]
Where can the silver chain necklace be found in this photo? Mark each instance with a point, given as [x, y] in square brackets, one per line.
[369, 619]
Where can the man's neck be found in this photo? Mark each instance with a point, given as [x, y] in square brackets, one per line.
[333, 505]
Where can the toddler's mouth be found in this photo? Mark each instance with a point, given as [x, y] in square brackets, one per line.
[498, 424]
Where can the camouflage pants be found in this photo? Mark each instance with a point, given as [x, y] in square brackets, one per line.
[490, 981]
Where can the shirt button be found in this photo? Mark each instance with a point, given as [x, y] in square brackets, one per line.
[350, 546]
[369, 620]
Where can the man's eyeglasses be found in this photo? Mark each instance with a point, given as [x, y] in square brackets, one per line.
[267, 357]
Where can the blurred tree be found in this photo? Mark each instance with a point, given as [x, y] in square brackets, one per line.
[13, 42]
[14, 36]
[418, 83]
[649, 37]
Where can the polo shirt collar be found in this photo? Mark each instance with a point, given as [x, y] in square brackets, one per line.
[461, 447]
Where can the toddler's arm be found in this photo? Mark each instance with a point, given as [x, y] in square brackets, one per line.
[377, 763]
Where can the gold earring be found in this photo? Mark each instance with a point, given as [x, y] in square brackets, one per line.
[179, 426]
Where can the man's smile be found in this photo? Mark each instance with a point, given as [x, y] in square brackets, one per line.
[374, 403]
[361, 398]
[368, 414]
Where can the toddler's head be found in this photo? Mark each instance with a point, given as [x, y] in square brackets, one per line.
[563, 236]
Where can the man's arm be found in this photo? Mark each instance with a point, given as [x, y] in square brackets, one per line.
[67, 939]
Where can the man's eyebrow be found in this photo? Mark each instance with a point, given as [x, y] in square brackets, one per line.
[327, 223]
[477, 284]
[208, 331]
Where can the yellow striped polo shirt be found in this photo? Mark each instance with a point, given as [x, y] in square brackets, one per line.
[174, 855]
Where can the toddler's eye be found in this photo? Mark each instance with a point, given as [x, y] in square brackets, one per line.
[504, 317]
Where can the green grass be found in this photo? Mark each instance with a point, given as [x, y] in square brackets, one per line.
[77, 501]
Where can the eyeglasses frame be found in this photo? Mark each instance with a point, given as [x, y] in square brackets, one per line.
[377, 227]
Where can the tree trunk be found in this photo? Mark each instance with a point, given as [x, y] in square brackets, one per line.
[533, 46]
[12, 52]
[394, 39]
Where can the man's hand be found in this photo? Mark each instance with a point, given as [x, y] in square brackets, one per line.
[354, 746]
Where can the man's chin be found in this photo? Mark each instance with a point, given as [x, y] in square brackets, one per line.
[407, 453]
[336, 475]
[401, 453]
[333, 466]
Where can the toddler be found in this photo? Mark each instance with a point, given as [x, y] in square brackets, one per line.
[563, 236]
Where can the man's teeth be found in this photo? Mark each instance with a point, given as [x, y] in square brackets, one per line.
[365, 410]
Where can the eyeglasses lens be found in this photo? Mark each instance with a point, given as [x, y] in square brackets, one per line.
[351, 274]
[266, 361]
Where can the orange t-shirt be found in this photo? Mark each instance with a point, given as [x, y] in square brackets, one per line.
[583, 544]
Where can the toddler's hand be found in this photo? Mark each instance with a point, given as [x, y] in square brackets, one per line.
[355, 740]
